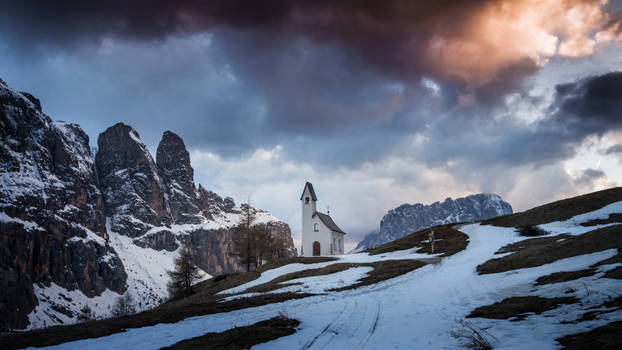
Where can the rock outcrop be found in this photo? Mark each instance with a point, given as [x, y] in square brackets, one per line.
[76, 232]
[52, 221]
[173, 161]
[129, 181]
[409, 218]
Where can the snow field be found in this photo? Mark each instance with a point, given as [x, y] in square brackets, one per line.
[416, 310]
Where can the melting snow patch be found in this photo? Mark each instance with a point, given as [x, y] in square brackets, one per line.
[573, 225]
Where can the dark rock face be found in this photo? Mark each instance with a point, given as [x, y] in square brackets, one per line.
[129, 181]
[161, 240]
[173, 162]
[212, 248]
[52, 220]
[409, 218]
[280, 231]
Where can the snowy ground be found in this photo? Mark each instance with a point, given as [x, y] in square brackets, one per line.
[417, 310]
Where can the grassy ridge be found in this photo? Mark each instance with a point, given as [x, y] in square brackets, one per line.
[448, 241]
[559, 210]
[539, 251]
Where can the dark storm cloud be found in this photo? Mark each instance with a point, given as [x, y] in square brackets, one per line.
[397, 37]
[593, 104]
[589, 176]
[469, 141]
[338, 82]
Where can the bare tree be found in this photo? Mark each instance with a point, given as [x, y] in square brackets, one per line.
[261, 244]
[185, 272]
[243, 236]
[254, 243]
[123, 306]
[86, 314]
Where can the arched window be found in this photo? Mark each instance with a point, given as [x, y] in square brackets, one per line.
[307, 200]
[335, 243]
[316, 227]
[340, 244]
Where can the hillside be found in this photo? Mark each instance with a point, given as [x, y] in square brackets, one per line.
[484, 283]
[78, 230]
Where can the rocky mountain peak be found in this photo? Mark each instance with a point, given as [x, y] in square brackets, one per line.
[173, 162]
[128, 176]
[408, 218]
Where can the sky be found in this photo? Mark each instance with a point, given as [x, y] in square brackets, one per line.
[377, 103]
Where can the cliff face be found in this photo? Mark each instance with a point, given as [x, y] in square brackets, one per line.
[408, 218]
[52, 221]
[76, 232]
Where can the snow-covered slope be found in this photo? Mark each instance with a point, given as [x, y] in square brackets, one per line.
[428, 307]
[409, 218]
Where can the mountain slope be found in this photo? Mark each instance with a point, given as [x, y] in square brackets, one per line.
[77, 232]
[517, 291]
[408, 218]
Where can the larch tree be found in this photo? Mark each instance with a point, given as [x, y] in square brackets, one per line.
[243, 242]
[261, 244]
[185, 272]
[253, 243]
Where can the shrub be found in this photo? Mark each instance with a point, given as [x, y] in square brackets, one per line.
[531, 231]
[473, 337]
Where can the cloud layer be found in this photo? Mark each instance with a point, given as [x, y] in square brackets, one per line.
[380, 102]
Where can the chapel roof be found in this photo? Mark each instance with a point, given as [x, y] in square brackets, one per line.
[313, 196]
[328, 221]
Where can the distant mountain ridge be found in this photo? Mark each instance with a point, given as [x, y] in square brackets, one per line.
[78, 229]
[408, 218]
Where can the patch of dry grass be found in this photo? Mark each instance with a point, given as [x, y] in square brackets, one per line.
[241, 337]
[540, 251]
[615, 273]
[565, 276]
[611, 305]
[279, 281]
[447, 241]
[517, 308]
[212, 286]
[560, 210]
[382, 270]
[530, 244]
[607, 337]
[613, 218]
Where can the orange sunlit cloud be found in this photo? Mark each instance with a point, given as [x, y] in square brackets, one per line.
[510, 32]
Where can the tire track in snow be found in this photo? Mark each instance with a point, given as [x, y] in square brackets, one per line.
[357, 320]
[309, 344]
[372, 329]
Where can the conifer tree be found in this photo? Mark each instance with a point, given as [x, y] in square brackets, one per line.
[185, 272]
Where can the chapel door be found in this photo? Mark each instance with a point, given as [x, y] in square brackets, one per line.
[316, 248]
